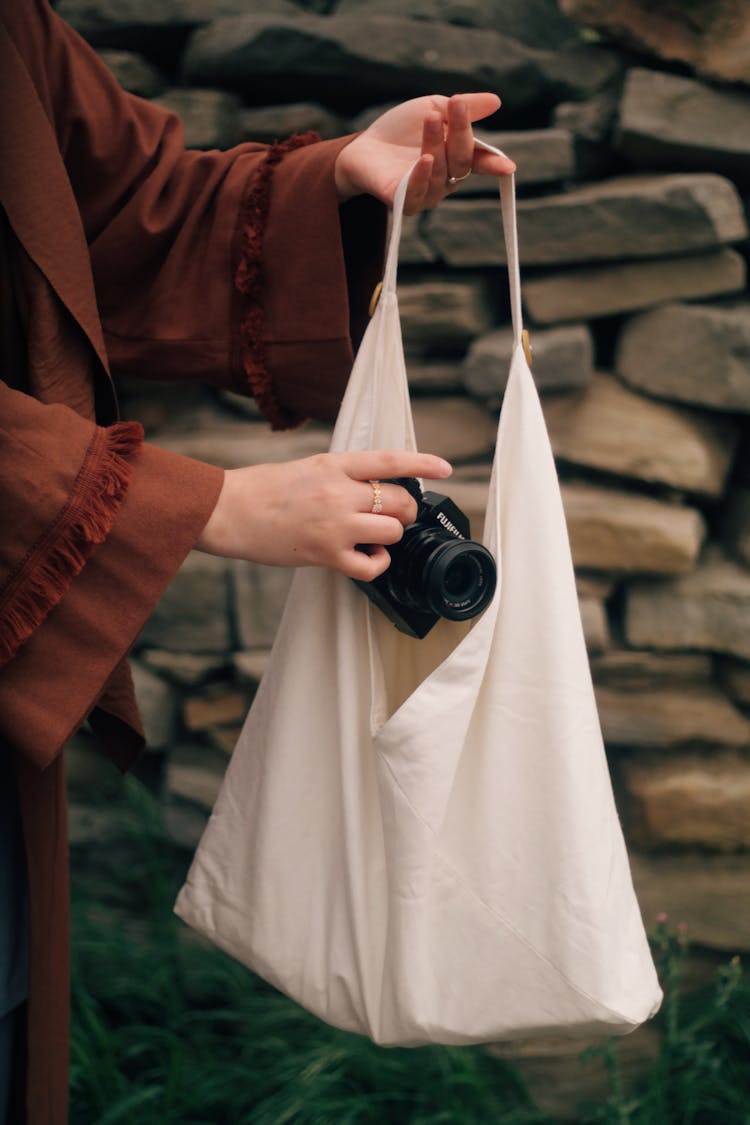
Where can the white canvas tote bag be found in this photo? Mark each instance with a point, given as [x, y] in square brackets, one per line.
[417, 839]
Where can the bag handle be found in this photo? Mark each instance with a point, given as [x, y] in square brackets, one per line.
[397, 218]
[510, 233]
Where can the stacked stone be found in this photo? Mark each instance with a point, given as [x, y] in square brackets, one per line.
[633, 237]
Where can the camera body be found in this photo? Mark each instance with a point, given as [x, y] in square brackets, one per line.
[436, 570]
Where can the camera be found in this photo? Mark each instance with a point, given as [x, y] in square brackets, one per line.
[436, 570]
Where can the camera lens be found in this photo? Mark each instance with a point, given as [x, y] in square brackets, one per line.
[459, 579]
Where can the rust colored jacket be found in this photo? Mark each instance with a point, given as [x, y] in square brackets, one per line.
[118, 247]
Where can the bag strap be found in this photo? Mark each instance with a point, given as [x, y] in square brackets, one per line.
[510, 233]
[397, 217]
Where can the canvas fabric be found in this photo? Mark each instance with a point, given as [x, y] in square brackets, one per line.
[417, 839]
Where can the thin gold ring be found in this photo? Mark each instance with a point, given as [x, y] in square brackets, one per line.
[377, 499]
[453, 180]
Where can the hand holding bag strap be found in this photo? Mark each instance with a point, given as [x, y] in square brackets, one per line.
[510, 232]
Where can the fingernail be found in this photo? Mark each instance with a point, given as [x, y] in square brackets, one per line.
[446, 466]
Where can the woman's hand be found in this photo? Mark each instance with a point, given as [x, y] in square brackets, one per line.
[435, 130]
[314, 512]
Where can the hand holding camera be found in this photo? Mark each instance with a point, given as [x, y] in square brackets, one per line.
[315, 511]
[436, 570]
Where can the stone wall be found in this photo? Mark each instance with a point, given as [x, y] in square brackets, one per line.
[634, 175]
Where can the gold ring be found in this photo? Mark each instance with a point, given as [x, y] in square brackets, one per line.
[453, 180]
[377, 499]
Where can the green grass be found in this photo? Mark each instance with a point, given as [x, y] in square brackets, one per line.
[169, 1031]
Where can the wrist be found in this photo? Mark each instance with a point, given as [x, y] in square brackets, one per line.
[346, 186]
[212, 535]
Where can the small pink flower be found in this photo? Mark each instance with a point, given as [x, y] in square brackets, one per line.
[661, 918]
[682, 927]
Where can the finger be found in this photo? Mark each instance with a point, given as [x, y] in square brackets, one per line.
[433, 144]
[480, 105]
[459, 143]
[418, 186]
[375, 531]
[490, 164]
[394, 501]
[365, 567]
[382, 463]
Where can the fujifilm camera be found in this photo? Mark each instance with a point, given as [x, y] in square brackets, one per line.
[436, 570]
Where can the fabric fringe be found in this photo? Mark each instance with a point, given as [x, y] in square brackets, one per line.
[249, 282]
[42, 578]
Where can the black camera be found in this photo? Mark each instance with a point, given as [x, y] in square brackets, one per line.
[436, 570]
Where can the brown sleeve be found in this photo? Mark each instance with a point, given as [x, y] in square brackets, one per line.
[99, 522]
[234, 267]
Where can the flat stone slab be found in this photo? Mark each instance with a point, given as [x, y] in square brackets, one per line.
[595, 624]
[618, 531]
[353, 60]
[689, 801]
[609, 427]
[271, 123]
[221, 707]
[106, 18]
[713, 39]
[250, 666]
[414, 249]
[669, 120]
[562, 360]
[737, 523]
[223, 440]
[259, 595]
[542, 156]
[441, 315]
[134, 73]
[210, 118]
[734, 677]
[586, 292]
[188, 669]
[644, 216]
[157, 703]
[664, 718]
[636, 671]
[433, 376]
[455, 427]
[706, 892]
[706, 610]
[193, 613]
[690, 353]
[536, 22]
[195, 774]
[609, 530]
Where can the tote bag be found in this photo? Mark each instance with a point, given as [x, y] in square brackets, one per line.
[417, 839]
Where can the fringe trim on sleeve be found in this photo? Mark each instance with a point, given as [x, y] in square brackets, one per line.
[41, 579]
[249, 282]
